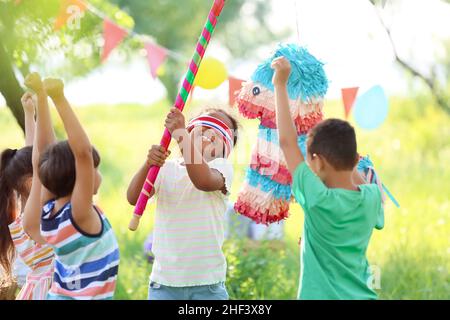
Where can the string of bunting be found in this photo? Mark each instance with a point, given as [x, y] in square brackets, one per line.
[113, 34]
[212, 72]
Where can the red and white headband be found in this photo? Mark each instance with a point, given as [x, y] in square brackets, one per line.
[217, 125]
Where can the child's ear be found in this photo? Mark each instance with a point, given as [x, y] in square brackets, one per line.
[321, 162]
[356, 159]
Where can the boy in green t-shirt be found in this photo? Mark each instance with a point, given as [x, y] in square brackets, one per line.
[341, 210]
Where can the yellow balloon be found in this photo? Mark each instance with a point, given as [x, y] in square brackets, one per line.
[161, 71]
[211, 74]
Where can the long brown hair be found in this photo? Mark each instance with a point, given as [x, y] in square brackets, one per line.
[15, 167]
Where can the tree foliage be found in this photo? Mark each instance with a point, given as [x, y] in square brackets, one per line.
[437, 79]
[28, 40]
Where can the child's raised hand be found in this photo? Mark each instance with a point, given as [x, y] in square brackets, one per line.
[54, 87]
[34, 82]
[157, 155]
[175, 120]
[28, 102]
[282, 69]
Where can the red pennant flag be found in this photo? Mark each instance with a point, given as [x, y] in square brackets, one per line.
[113, 35]
[64, 15]
[234, 85]
[348, 98]
[156, 56]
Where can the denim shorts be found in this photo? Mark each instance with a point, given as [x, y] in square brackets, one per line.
[216, 291]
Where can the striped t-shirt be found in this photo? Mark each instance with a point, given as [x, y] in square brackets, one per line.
[189, 228]
[86, 265]
[38, 257]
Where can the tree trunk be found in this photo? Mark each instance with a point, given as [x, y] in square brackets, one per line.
[10, 87]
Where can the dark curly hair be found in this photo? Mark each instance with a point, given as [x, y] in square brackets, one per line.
[335, 140]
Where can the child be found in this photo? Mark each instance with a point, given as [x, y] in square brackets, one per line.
[191, 203]
[86, 250]
[340, 211]
[15, 182]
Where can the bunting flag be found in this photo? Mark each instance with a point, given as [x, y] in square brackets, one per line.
[156, 56]
[348, 98]
[64, 13]
[234, 85]
[113, 35]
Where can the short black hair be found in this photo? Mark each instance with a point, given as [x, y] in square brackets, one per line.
[57, 168]
[335, 140]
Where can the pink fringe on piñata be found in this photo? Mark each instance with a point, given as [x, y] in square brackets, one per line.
[266, 99]
[251, 212]
[303, 123]
[261, 207]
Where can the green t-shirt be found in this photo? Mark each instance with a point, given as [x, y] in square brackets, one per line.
[338, 225]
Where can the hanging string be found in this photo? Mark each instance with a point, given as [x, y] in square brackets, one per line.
[296, 21]
[131, 33]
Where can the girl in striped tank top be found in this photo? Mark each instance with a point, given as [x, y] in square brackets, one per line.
[15, 181]
[61, 212]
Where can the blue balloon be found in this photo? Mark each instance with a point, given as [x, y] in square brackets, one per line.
[371, 108]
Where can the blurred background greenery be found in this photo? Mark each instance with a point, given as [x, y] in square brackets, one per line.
[412, 250]
[411, 150]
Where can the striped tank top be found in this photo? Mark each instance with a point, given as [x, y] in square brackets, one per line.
[39, 258]
[86, 265]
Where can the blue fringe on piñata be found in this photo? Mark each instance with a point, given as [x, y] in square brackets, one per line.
[279, 191]
[364, 165]
[307, 80]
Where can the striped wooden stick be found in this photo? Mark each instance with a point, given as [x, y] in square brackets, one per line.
[180, 101]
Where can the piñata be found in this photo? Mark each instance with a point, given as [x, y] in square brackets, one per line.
[266, 192]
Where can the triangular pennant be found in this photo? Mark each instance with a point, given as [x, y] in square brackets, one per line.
[156, 56]
[348, 98]
[113, 35]
[234, 85]
[64, 13]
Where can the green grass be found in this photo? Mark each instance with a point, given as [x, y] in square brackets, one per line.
[411, 151]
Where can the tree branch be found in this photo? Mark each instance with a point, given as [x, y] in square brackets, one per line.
[431, 81]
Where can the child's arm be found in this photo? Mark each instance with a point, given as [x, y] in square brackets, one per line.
[28, 109]
[156, 156]
[32, 212]
[81, 199]
[43, 137]
[286, 130]
[202, 176]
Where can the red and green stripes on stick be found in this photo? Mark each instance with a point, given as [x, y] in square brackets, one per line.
[180, 101]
